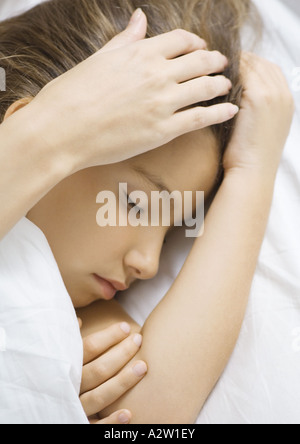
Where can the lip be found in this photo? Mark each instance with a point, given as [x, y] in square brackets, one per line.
[109, 288]
[108, 292]
[118, 285]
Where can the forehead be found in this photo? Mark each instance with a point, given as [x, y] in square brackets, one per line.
[188, 163]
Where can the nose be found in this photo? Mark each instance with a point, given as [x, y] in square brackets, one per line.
[143, 263]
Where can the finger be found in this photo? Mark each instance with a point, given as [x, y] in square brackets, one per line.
[199, 63]
[177, 43]
[120, 417]
[200, 90]
[98, 399]
[109, 364]
[136, 30]
[98, 343]
[201, 117]
[80, 323]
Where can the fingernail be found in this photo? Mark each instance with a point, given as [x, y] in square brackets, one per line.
[136, 16]
[140, 369]
[137, 339]
[124, 417]
[125, 327]
[234, 110]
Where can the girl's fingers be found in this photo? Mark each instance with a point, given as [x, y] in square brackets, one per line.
[98, 399]
[98, 343]
[201, 117]
[177, 43]
[197, 64]
[110, 363]
[200, 90]
[120, 417]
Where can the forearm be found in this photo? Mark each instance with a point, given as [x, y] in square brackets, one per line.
[28, 168]
[189, 337]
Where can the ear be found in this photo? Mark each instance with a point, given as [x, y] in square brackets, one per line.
[136, 30]
[16, 106]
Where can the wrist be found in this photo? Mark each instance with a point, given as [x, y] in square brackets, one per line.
[52, 159]
[252, 179]
[260, 174]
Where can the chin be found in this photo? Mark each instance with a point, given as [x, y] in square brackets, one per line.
[81, 298]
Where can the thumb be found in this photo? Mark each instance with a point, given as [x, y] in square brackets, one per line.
[136, 30]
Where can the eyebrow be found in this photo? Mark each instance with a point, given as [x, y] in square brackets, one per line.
[152, 179]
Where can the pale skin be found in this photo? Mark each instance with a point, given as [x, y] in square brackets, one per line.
[205, 323]
[60, 142]
[189, 337]
[50, 161]
[202, 313]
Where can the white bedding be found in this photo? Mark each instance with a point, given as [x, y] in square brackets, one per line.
[40, 348]
[40, 365]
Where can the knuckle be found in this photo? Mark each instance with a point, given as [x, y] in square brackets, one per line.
[218, 57]
[135, 49]
[199, 118]
[275, 67]
[213, 58]
[182, 33]
[158, 109]
[90, 345]
[125, 382]
[154, 108]
[205, 56]
[161, 131]
[266, 96]
[210, 85]
[189, 39]
[217, 54]
[136, 52]
[97, 399]
[99, 371]
[129, 349]
[116, 333]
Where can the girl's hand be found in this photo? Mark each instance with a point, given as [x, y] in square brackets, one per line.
[124, 100]
[104, 380]
[264, 120]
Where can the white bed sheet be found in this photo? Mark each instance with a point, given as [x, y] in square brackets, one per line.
[261, 383]
[40, 342]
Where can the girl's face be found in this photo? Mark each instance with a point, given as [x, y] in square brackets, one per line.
[67, 215]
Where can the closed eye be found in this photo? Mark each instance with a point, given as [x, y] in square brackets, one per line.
[132, 204]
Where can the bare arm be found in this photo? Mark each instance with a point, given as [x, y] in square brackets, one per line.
[49, 140]
[101, 315]
[189, 337]
[28, 171]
